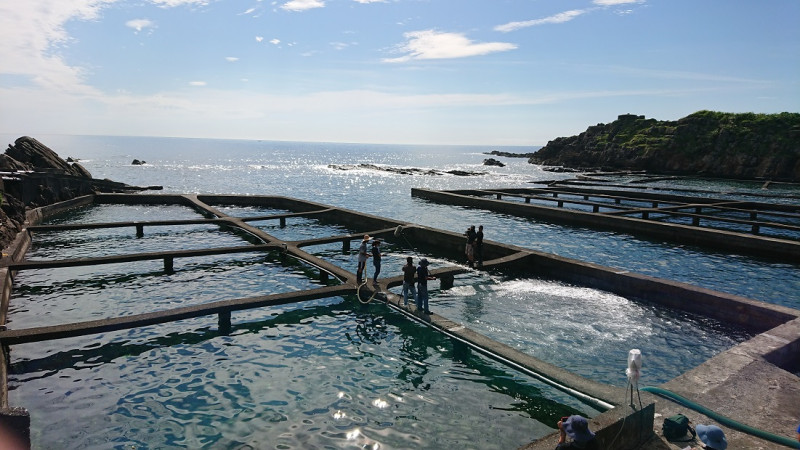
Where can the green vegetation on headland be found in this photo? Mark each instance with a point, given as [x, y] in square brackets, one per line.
[706, 143]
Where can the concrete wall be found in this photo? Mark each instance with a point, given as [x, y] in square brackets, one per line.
[705, 237]
[614, 430]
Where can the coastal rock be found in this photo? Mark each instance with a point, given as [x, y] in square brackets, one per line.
[40, 177]
[30, 154]
[403, 170]
[706, 143]
[492, 162]
[511, 155]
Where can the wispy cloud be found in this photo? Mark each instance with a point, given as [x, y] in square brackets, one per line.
[340, 45]
[302, 5]
[370, 1]
[274, 41]
[231, 58]
[565, 16]
[615, 2]
[139, 24]
[259, 38]
[174, 3]
[197, 83]
[430, 44]
[29, 35]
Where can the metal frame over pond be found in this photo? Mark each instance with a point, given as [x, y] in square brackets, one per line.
[778, 344]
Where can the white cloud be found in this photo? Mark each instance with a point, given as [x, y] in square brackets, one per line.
[174, 3]
[259, 38]
[197, 83]
[275, 41]
[231, 58]
[31, 30]
[139, 24]
[615, 2]
[369, 1]
[429, 44]
[302, 5]
[565, 16]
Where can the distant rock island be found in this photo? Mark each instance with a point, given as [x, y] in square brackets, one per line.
[404, 170]
[706, 143]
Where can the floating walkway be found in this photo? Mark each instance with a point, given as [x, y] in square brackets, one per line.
[778, 341]
[756, 228]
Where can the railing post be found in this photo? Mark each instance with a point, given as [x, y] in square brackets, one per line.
[168, 265]
[446, 282]
[499, 196]
[139, 230]
[527, 199]
[16, 423]
[224, 321]
[595, 208]
[323, 275]
[283, 222]
[346, 246]
[756, 228]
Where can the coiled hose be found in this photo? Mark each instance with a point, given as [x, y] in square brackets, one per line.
[727, 421]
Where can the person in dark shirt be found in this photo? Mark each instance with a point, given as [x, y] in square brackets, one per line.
[376, 259]
[577, 429]
[422, 286]
[469, 249]
[409, 270]
[479, 246]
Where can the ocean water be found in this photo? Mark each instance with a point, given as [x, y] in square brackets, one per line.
[332, 373]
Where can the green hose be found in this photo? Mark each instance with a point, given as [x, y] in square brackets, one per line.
[728, 422]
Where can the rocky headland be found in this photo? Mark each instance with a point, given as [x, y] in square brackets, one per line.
[706, 143]
[33, 175]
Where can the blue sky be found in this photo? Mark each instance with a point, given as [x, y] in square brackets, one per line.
[493, 72]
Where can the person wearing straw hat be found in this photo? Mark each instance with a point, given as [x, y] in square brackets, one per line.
[577, 429]
[362, 258]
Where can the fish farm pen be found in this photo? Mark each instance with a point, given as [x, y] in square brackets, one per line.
[314, 262]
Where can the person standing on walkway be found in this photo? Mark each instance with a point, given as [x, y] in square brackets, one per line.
[469, 249]
[479, 245]
[409, 270]
[376, 259]
[362, 258]
[422, 286]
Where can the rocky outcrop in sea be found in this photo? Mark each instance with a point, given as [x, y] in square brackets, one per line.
[405, 170]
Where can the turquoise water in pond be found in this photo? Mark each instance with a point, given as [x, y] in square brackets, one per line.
[331, 373]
